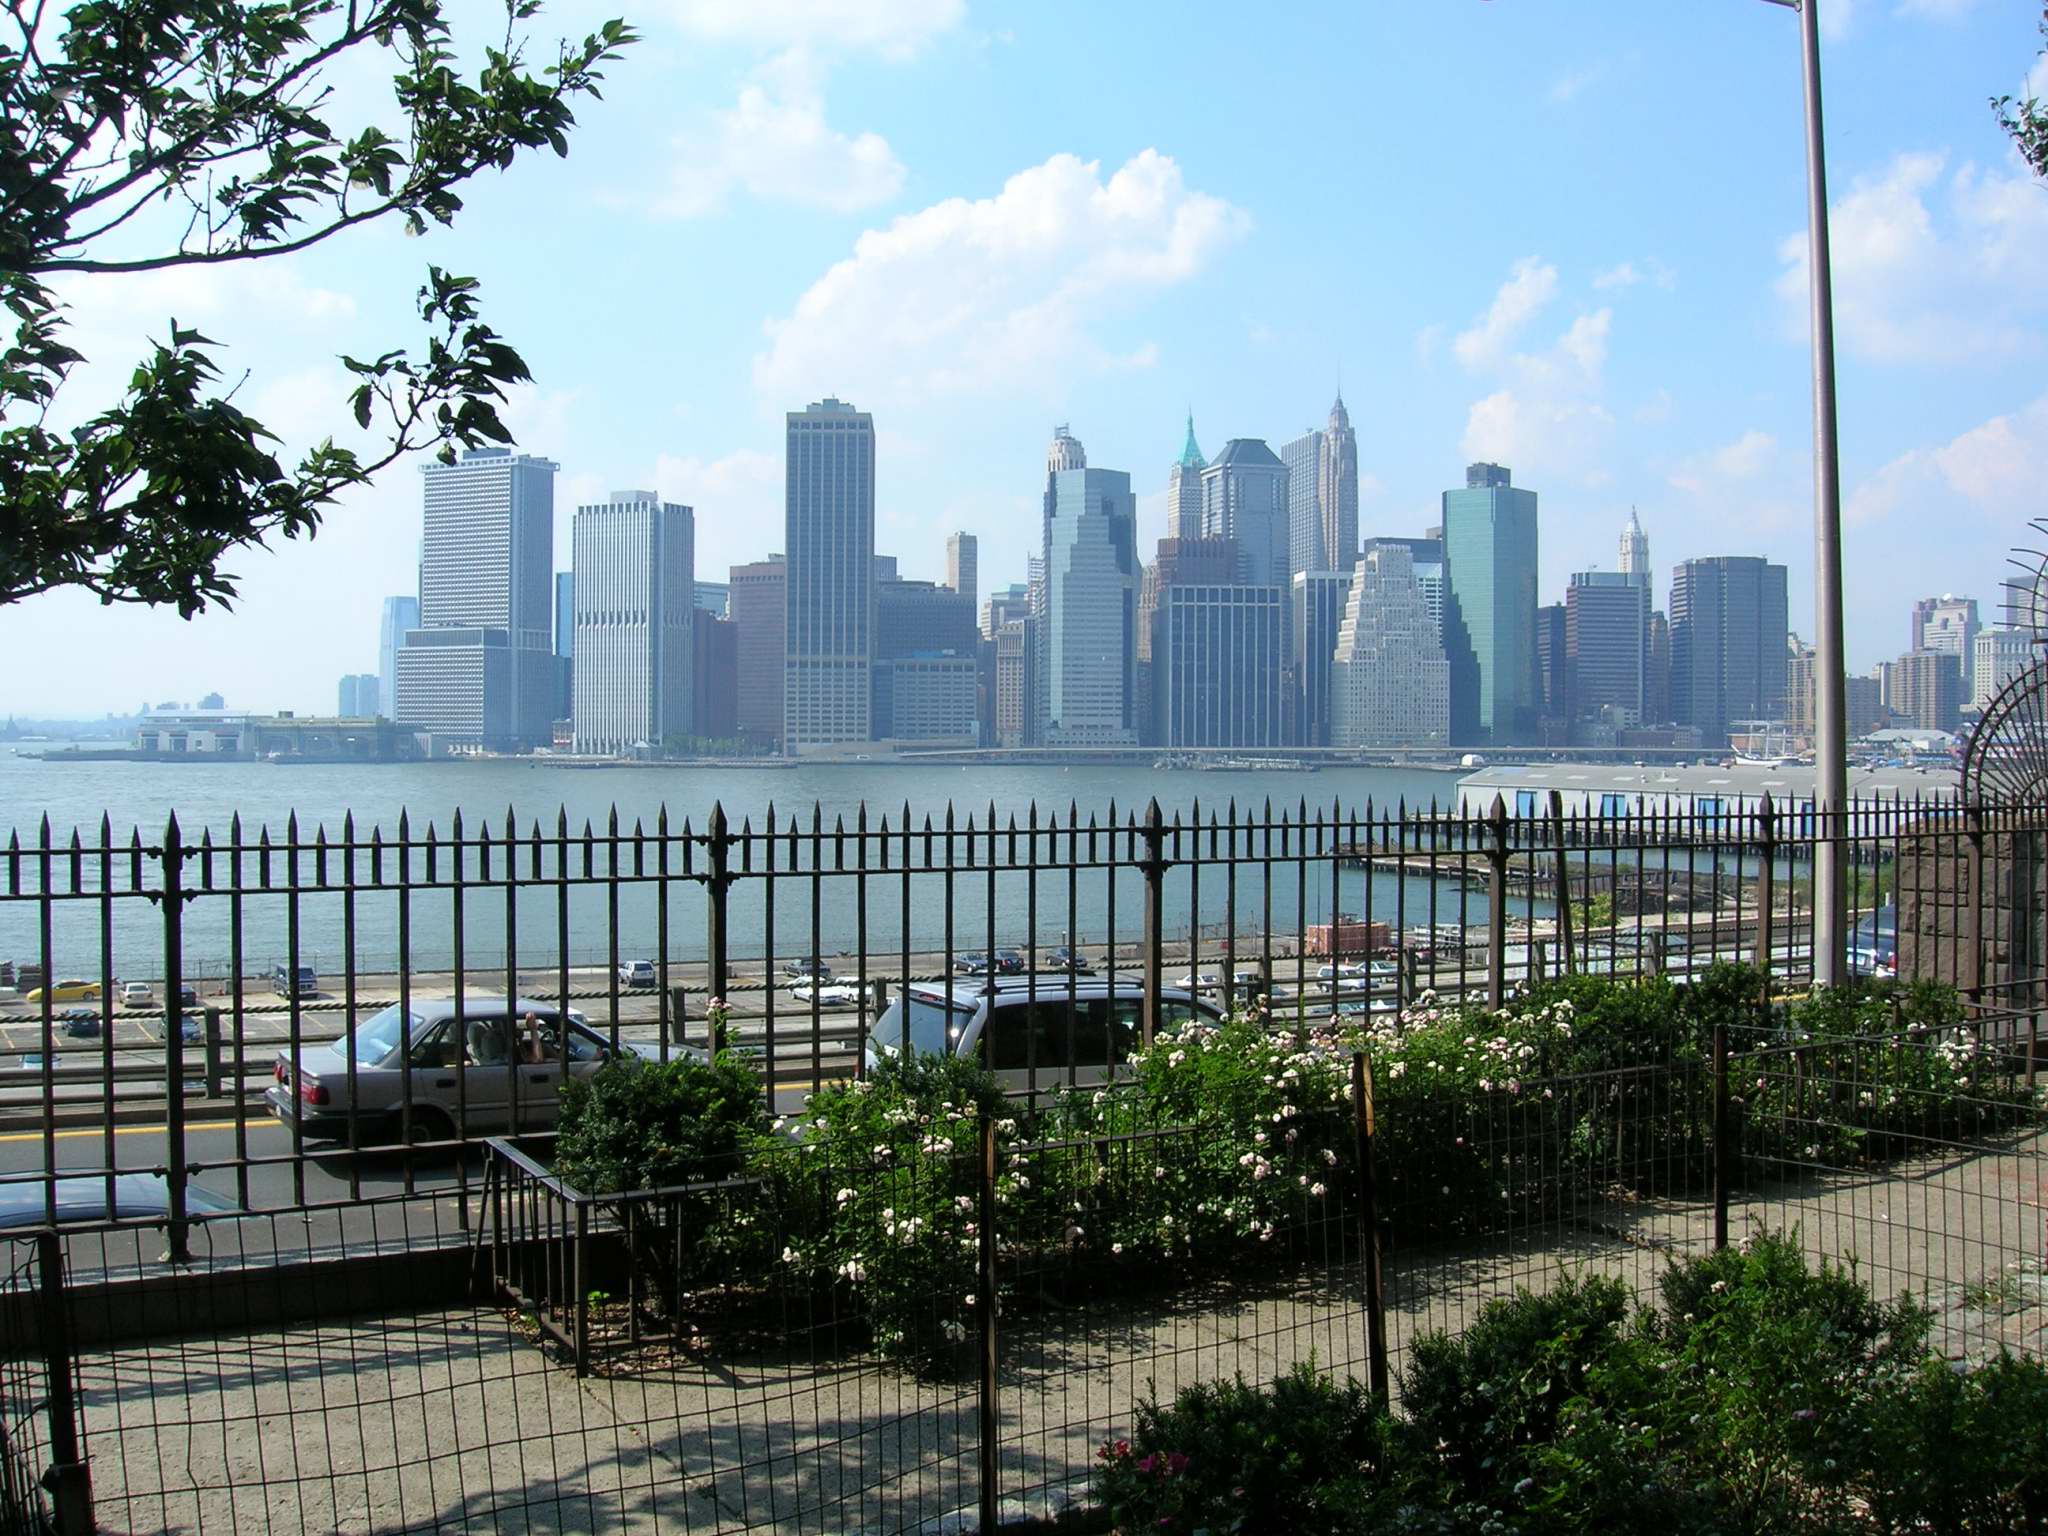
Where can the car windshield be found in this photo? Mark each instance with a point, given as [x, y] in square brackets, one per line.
[928, 1016]
[378, 1038]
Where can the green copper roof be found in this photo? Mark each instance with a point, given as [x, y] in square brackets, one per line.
[1191, 455]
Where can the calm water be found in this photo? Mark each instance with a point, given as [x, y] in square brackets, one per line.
[207, 796]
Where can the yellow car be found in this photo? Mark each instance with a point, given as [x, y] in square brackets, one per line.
[67, 992]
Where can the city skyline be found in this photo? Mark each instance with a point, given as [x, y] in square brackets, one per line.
[1478, 296]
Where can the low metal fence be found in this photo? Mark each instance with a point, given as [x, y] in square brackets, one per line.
[668, 1360]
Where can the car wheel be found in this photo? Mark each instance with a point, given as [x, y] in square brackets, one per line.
[429, 1123]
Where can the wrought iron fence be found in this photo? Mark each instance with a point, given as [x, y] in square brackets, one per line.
[256, 948]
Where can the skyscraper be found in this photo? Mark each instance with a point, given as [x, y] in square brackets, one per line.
[1635, 549]
[401, 615]
[1182, 562]
[1244, 497]
[480, 669]
[565, 644]
[635, 566]
[1322, 496]
[1490, 608]
[2000, 655]
[1927, 688]
[358, 696]
[1728, 643]
[1315, 616]
[1390, 684]
[757, 603]
[1607, 647]
[963, 572]
[1426, 559]
[1087, 640]
[1217, 654]
[1948, 624]
[1184, 490]
[829, 537]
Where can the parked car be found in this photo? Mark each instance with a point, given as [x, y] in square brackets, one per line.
[1010, 962]
[1031, 1031]
[306, 984]
[830, 994]
[1874, 945]
[812, 968]
[136, 994]
[66, 992]
[1065, 959]
[970, 962]
[188, 995]
[83, 1198]
[637, 973]
[472, 1065]
[81, 1023]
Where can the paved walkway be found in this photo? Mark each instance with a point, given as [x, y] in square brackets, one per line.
[456, 1420]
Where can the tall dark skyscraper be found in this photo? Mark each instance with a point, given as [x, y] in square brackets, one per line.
[1489, 535]
[1315, 615]
[1322, 496]
[480, 668]
[1728, 643]
[1219, 652]
[1244, 497]
[757, 604]
[1607, 648]
[829, 542]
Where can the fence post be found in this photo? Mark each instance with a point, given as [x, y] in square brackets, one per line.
[673, 1018]
[718, 844]
[1497, 906]
[985, 1323]
[176, 1250]
[1366, 1127]
[214, 1085]
[1973, 908]
[1723, 1151]
[1154, 869]
[68, 1479]
[1766, 885]
[581, 1300]
[1564, 884]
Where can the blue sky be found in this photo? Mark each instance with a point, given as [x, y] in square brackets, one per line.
[1567, 237]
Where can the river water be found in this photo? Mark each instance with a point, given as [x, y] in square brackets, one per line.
[140, 797]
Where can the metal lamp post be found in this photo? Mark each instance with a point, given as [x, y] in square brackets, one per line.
[1831, 724]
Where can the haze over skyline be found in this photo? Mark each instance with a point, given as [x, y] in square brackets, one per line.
[1573, 245]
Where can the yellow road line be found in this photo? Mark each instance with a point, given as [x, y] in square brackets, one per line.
[143, 1130]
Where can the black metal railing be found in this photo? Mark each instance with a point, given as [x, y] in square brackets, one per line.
[259, 947]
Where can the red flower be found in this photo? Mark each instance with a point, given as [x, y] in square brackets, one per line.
[1176, 1463]
[1148, 1463]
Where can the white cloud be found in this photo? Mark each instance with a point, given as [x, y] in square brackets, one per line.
[1836, 19]
[1717, 472]
[1627, 275]
[1991, 468]
[896, 28]
[998, 292]
[1566, 87]
[2036, 86]
[775, 144]
[1547, 417]
[1528, 289]
[1929, 267]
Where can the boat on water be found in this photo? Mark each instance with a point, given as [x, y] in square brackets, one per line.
[1231, 764]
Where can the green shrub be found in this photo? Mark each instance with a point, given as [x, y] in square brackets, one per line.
[1302, 1455]
[1479, 1401]
[878, 1195]
[638, 1124]
[1961, 1451]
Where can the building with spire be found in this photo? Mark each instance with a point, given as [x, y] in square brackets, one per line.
[1635, 550]
[1322, 496]
[1184, 489]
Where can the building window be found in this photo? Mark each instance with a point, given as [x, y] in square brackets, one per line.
[1614, 807]
[1525, 802]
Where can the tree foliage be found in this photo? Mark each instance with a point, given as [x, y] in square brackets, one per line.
[2027, 121]
[142, 135]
